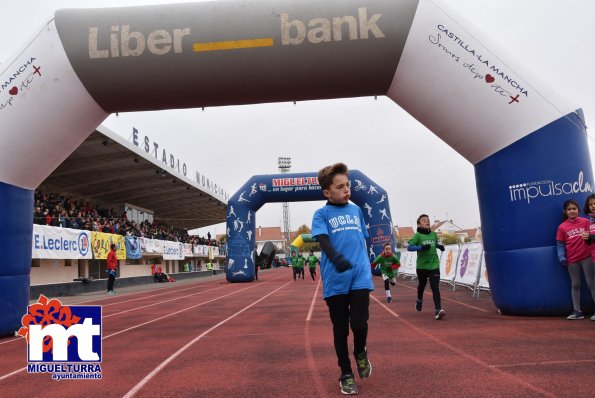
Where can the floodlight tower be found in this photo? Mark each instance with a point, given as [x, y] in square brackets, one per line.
[284, 167]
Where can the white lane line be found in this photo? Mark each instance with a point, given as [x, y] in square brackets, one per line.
[447, 299]
[163, 364]
[132, 309]
[145, 323]
[385, 307]
[544, 363]
[161, 302]
[513, 378]
[313, 301]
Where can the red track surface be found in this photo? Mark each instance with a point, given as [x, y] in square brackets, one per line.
[273, 338]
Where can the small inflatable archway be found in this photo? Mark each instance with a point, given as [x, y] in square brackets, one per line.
[528, 146]
[297, 187]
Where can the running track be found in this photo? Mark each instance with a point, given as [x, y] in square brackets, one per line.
[273, 338]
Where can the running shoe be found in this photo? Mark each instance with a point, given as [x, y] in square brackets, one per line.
[364, 367]
[418, 304]
[347, 383]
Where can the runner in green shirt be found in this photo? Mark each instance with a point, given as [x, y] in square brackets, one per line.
[312, 261]
[425, 242]
[301, 261]
[294, 265]
[388, 263]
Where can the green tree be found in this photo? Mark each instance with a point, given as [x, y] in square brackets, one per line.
[450, 239]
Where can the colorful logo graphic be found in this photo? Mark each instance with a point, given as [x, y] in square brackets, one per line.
[464, 262]
[83, 243]
[67, 335]
[448, 262]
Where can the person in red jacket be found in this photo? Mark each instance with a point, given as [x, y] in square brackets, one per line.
[112, 267]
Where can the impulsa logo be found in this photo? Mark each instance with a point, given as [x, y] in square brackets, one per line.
[529, 191]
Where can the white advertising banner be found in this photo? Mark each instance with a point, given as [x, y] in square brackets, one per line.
[60, 243]
[172, 250]
[468, 264]
[483, 273]
[408, 263]
[187, 250]
[448, 262]
[151, 245]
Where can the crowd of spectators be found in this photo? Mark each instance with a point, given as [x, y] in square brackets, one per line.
[59, 211]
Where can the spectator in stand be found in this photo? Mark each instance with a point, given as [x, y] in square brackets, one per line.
[38, 217]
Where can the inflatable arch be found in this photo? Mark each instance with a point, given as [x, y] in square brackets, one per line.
[529, 147]
[300, 187]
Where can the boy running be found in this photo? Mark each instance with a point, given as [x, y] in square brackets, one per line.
[345, 269]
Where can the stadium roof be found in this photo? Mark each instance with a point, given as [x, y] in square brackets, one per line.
[108, 170]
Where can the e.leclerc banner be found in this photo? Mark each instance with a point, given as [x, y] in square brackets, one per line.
[60, 243]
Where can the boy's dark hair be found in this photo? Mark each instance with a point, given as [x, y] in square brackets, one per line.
[586, 208]
[112, 246]
[328, 173]
[419, 218]
[386, 244]
[568, 203]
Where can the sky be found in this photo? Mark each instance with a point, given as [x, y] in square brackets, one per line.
[420, 173]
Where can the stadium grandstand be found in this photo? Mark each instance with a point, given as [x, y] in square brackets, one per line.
[112, 186]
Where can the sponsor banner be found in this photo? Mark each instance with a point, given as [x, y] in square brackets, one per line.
[187, 250]
[469, 263]
[133, 247]
[172, 250]
[483, 273]
[196, 250]
[408, 263]
[151, 245]
[448, 262]
[100, 242]
[60, 243]
[215, 250]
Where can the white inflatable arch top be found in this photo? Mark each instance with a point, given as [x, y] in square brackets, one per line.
[528, 147]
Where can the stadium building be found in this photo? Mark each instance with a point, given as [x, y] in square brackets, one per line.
[123, 182]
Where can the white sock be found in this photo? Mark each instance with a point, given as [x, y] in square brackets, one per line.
[387, 293]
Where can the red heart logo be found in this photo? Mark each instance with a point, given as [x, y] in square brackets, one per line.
[489, 78]
[13, 91]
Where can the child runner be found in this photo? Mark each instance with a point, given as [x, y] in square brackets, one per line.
[301, 262]
[345, 271]
[386, 260]
[425, 242]
[574, 253]
[294, 265]
[312, 261]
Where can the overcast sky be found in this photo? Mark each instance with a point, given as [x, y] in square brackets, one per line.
[419, 172]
